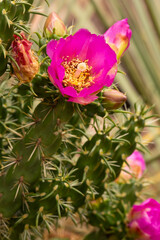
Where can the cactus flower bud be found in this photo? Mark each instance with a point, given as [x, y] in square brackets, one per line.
[25, 58]
[144, 220]
[113, 99]
[134, 168]
[54, 25]
[118, 37]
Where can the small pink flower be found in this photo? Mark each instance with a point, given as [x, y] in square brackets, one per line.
[81, 66]
[144, 220]
[25, 58]
[118, 37]
[135, 167]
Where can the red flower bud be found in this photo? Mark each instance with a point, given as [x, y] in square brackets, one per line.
[55, 25]
[25, 58]
[113, 99]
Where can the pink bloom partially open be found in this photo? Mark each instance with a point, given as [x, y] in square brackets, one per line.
[144, 220]
[134, 167]
[118, 37]
[81, 66]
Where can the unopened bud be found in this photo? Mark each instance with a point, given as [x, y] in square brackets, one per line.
[54, 25]
[27, 63]
[113, 99]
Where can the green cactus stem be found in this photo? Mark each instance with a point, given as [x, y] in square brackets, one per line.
[42, 140]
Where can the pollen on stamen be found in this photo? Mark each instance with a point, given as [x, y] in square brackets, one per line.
[77, 74]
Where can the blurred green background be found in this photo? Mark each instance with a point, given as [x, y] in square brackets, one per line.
[141, 62]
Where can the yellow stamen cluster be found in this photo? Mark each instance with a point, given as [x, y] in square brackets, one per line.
[77, 74]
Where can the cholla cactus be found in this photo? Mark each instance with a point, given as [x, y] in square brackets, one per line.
[62, 148]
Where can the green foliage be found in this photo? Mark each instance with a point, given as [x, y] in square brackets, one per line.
[45, 176]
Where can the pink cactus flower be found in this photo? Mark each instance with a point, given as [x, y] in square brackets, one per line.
[81, 66]
[118, 37]
[25, 58]
[134, 167]
[144, 220]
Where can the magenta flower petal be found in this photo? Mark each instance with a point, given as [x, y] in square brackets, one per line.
[144, 220]
[71, 90]
[118, 37]
[83, 100]
[98, 54]
[51, 46]
[81, 66]
[136, 158]
[77, 45]
[135, 167]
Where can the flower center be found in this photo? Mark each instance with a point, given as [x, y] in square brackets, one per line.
[77, 74]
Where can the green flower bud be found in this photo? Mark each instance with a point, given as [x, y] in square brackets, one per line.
[54, 25]
[113, 99]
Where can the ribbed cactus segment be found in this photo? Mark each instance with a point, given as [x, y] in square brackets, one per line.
[102, 156]
[13, 17]
[42, 141]
[110, 214]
